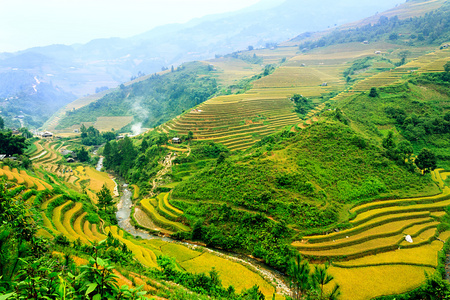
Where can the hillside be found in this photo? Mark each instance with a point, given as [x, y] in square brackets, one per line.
[318, 170]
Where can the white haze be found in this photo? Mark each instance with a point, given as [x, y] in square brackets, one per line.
[29, 23]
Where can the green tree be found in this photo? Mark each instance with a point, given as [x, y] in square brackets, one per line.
[426, 161]
[2, 123]
[373, 92]
[83, 131]
[446, 68]
[12, 144]
[299, 275]
[190, 135]
[105, 199]
[302, 104]
[338, 115]
[403, 55]
[26, 133]
[321, 278]
[144, 145]
[83, 155]
[405, 149]
[389, 141]
[221, 158]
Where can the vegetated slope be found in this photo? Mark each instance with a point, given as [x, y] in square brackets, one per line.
[417, 110]
[303, 180]
[402, 24]
[151, 101]
[70, 220]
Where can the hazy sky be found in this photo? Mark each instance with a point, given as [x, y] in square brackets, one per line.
[29, 23]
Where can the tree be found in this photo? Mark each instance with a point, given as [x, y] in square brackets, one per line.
[403, 55]
[190, 135]
[389, 141]
[221, 158]
[144, 145]
[302, 104]
[83, 155]
[105, 198]
[373, 92]
[26, 133]
[446, 68]
[320, 278]
[299, 274]
[405, 149]
[426, 161]
[2, 123]
[250, 48]
[12, 144]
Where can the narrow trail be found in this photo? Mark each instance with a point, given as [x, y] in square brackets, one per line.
[167, 165]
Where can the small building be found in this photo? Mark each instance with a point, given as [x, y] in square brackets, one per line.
[2, 156]
[377, 52]
[70, 160]
[324, 84]
[176, 140]
[65, 152]
[120, 137]
[366, 42]
[76, 130]
[47, 134]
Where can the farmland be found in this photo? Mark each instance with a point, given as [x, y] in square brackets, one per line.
[72, 217]
[376, 244]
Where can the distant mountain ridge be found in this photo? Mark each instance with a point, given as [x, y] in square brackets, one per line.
[81, 69]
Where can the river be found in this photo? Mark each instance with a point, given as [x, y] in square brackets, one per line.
[123, 216]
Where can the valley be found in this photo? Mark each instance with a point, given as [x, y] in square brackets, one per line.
[316, 168]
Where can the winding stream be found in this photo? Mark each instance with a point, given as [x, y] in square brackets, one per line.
[123, 216]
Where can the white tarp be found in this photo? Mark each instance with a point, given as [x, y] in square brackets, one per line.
[408, 238]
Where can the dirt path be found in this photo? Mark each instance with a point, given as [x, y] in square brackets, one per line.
[167, 166]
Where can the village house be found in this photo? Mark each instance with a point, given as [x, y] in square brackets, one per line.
[47, 134]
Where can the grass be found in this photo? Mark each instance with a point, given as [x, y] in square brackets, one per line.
[179, 252]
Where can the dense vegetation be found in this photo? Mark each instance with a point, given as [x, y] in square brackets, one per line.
[433, 28]
[152, 101]
[418, 110]
[291, 180]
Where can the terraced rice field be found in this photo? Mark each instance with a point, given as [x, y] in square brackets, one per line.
[239, 121]
[236, 121]
[24, 179]
[153, 211]
[371, 252]
[70, 219]
[432, 62]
